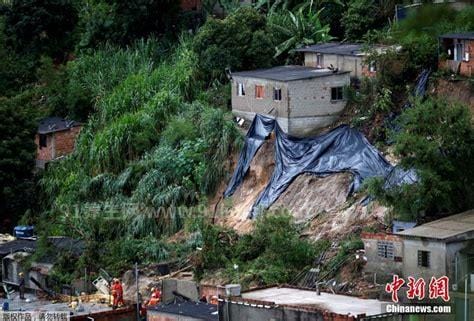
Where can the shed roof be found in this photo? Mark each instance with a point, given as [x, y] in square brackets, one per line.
[337, 48]
[17, 246]
[198, 310]
[59, 243]
[55, 124]
[445, 228]
[288, 73]
[458, 35]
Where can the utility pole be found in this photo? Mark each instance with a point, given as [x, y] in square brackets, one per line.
[138, 292]
[465, 297]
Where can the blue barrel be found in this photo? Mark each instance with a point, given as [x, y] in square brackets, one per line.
[23, 231]
[5, 306]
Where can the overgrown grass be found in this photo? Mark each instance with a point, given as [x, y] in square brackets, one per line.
[147, 149]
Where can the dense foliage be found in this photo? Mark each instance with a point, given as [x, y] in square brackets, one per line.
[157, 135]
[272, 253]
[437, 139]
[240, 41]
[17, 151]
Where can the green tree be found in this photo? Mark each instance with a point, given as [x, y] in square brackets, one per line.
[41, 27]
[240, 41]
[358, 19]
[17, 154]
[15, 70]
[437, 139]
[298, 29]
[122, 22]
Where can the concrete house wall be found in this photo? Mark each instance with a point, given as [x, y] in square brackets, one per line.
[247, 106]
[305, 104]
[310, 104]
[442, 258]
[438, 258]
[354, 64]
[384, 268]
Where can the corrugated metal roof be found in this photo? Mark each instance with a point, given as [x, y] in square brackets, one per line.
[459, 35]
[287, 73]
[445, 228]
[55, 124]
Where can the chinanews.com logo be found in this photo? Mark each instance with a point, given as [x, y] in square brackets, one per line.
[438, 289]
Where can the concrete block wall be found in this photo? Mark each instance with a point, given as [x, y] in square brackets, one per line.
[346, 63]
[384, 268]
[437, 251]
[312, 97]
[208, 291]
[250, 104]
[305, 107]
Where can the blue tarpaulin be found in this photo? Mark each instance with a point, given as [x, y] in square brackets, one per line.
[343, 149]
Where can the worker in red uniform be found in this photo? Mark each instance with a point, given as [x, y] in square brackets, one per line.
[119, 293]
[155, 297]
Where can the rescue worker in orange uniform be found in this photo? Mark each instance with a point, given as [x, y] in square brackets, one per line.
[117, 293]
[155, 297]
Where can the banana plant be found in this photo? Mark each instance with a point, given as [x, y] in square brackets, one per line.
[299, 29]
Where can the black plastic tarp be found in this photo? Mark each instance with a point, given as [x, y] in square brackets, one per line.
[343, 149]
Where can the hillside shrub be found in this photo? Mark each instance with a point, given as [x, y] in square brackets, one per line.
[436, 139]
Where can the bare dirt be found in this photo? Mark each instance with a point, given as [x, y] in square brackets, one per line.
[320, 204]
[454, 91]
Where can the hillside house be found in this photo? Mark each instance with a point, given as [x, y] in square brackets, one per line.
[343, 56]
[55, 138]
[457, 53]
[439, 248]
[442, 247]
[14, 256]
[302, 99]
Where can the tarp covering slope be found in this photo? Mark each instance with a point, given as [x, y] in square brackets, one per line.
[343, 149]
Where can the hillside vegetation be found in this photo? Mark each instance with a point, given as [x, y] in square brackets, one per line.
[149, 84]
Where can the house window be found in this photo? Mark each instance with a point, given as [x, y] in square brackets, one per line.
[319, 61]
[424, 258]
[276, 94]
[337, 93]
[240, 89]
[372, 66]
[43, 140]
[458, 52]
[259, 91]
[385, 249]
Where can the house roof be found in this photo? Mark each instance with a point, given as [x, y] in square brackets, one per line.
[459, 35]
[17, 246]
[55, 124]
[336, 303]
[59, 243]
[337, 48]
[197, 310]
[287, 73]
[445, 228]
